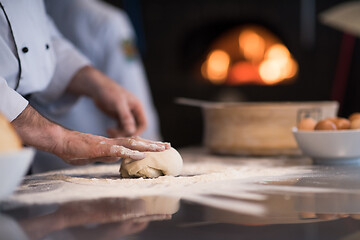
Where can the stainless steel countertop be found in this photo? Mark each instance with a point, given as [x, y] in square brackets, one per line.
[319, 203]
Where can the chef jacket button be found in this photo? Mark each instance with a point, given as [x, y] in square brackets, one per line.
[25, 49]
[47, 46]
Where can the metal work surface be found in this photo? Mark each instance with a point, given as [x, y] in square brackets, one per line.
[216, 197]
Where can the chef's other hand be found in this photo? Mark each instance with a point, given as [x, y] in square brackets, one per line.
[112, 99]
[79, 148]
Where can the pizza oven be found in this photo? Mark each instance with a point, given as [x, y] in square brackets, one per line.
[248, 55]
[254, 51]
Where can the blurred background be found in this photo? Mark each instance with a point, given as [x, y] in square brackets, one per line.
[240, 50]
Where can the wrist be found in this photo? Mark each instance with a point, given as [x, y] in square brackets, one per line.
[86, 81]
[55, 138]
[37, 131]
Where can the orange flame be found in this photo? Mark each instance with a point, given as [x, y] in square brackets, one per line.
[252, 45]
[216, 67]
[256, 57]
[277, 65]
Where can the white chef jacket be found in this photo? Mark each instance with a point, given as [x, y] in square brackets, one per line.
[105, 36]
[47, 60]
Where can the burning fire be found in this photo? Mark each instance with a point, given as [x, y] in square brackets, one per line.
[216, 67]
[257, 57]
[252, 45]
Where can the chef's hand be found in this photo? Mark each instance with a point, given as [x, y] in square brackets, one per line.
[112, 99]
[79, 148]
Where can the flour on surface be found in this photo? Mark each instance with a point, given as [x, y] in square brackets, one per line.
[203, 175]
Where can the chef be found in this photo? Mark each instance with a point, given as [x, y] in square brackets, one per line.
[103, 33]
[37, 63]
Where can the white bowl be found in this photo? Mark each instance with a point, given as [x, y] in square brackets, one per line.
[330, 147]
[13, 167]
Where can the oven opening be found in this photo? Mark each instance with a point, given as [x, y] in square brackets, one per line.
[248, 54]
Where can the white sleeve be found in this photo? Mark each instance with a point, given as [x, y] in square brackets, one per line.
[68, 62]
[11, 102]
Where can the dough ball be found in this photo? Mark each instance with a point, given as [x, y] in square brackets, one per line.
[9, 139]
[155, 164]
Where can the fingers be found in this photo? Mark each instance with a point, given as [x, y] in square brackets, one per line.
[133, 147]
[117, 102]
[81, 148]
[166, 145]
[132, 120]
[140, 117]
[143, 145]
[126, 119]
[120, 151]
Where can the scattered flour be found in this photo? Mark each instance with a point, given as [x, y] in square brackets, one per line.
[204, 176]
